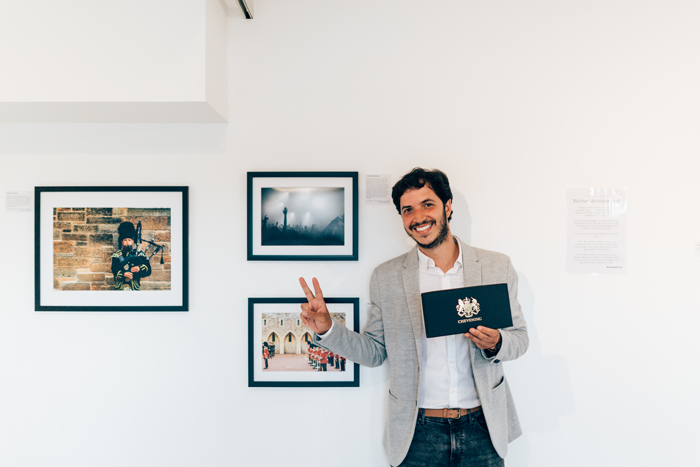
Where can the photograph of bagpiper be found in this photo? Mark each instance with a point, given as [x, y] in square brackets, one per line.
[288, 345]
[102, 249]
[94, 245]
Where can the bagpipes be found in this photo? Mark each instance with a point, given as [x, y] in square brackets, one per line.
[126, 262]
[158, 248]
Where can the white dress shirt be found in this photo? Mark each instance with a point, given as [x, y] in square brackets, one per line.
[446, 379]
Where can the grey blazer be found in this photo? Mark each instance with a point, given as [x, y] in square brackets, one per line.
[394, 331]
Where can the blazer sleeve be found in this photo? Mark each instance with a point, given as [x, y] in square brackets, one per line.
[366, 348]
[515, 338]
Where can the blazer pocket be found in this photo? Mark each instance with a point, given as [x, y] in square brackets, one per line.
[391, 396]
[500, 383]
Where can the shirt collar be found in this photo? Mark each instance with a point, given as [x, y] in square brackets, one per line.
[425, 263]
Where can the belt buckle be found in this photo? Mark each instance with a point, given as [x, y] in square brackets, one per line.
[452, 413]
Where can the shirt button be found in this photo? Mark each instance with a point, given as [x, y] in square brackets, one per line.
[453, 391]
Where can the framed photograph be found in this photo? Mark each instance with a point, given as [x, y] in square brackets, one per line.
[302, 216]
[111, 249]
[281, 352]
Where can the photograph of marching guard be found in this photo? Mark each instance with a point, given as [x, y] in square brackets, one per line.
[280, 334]
[298, 216]
[281, 351]
[94, 244]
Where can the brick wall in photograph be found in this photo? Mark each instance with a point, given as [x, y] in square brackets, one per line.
[86, 238]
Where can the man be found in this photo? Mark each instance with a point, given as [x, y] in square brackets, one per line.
[129, 265]
[449, 402]
[312, 356]
[266, 353]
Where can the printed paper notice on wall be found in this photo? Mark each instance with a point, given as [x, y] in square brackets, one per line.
[378, 189]
[18, 201]
[596, 231]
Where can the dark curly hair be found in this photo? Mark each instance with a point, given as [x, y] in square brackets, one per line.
[417, 179]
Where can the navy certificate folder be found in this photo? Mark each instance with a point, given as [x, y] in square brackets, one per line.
[455, 311]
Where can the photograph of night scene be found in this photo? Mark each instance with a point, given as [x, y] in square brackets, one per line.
[303, 216]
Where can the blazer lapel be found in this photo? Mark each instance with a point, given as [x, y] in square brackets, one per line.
[472, 268]
[472, 277]
[411, 287]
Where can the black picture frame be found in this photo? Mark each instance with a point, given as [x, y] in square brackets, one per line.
[319, 239]
[74, 225]
[296, 378]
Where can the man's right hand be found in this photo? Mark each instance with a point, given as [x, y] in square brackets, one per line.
[315, 313]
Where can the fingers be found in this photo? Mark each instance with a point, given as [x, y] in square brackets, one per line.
[309, 314]
[484, 338]
[319, 321]
[317, 289]
[479, 343]
[485, 333]
[314, 314]
[306, 289]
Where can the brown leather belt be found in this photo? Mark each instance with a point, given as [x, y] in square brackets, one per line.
[449, 413]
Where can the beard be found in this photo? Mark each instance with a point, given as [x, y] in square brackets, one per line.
[128, 249]
[443, 230]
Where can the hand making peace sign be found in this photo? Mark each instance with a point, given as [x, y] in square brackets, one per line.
[315, 313]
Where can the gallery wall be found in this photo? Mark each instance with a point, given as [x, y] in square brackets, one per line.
[516, 102]
[137, 61]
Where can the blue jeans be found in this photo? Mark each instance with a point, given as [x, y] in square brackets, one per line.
[452, 442]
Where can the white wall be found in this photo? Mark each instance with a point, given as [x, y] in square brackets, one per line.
[80, 61]
[83, 51]
[516, 101]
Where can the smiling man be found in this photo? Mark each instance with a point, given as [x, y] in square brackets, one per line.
[449, 401]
